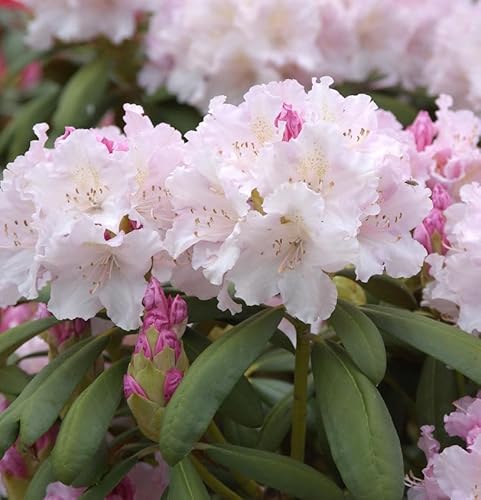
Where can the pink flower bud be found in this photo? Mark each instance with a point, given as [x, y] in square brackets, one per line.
[13, 463]
[173, 377]
[125, 490]
[31, 75]
[293, 122]
[423, 130]
[47, 440]
[142, 345]
[65, 330]
[441, 198]
[131, 386]
[178, 311]
[168, 338]
[433, 224]
[154, 297]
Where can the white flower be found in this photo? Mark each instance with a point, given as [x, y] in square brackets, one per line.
[90, 272]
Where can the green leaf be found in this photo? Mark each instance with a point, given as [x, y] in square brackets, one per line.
[403, 111]
[361, 434]
[12, 339]
[277, 424]
[86, 423]
[271, 390]
[450, 345]
[361, 339]
[42, 408]
[435, 395]
[9, 419]
[95, 469]
[111, 479]
[275, 360]
[42, 478]
[239, 434]
[80, 99]
[185, 483]
[281, 340]
[277, 471]
[243, 404]
[13, 379]
[35, 111]
[209, 380]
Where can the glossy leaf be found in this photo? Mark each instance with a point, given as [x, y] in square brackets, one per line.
[9, 420]
[362, 437]
[80, 99]
[209, 380]
[15, 337]
[86, 423]
[446, 343]
[361, 339]
[435, 395]
[13, 379]
[243, 405]
[42, 408]
[42, 478]
[111, 479]
[277, 424]
[271, 390]
[277, 471]
[185, 483]
[35, 111]
[275, 360]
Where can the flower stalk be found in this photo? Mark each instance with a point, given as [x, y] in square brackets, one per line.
[299, 411]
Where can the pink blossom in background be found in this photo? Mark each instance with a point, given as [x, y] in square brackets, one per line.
[81, 20]
[14, 316]
[12, 4]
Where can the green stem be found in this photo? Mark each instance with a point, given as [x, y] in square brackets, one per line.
[299, 410]
[461, 384]
[212, 482]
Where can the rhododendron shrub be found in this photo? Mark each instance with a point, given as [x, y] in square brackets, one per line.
[275, 299]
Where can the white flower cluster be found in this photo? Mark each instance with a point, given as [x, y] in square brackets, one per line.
[265, 198]
[199, 49]
[81, 20]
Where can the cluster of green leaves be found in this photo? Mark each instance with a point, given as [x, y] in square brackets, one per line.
[376, 373]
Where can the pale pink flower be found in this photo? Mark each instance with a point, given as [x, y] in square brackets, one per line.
[91, 273]
[60, 491]
[454, 290]
[465, 421]
[457, 471]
